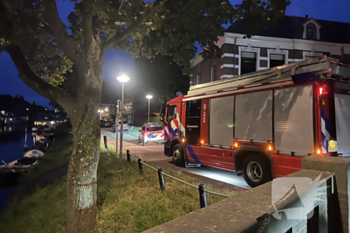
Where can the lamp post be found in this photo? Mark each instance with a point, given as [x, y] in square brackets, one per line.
[116, 127]
[149, 97]
[123, 79]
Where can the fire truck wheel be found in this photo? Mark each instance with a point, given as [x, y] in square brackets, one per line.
[178, 156]
[256, 170]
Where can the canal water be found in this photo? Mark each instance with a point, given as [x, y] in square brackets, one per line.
[12, 139]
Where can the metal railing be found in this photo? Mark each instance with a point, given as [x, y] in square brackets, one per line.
[201, 188]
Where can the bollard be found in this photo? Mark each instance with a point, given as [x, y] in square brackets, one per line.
[161, 179]
[128, 155]
[140, 166]
[106, 144]
[202, 197]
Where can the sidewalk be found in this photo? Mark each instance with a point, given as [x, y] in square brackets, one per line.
[154, 154]
[147, 153]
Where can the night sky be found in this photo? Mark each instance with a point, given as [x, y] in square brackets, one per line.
[118, 62]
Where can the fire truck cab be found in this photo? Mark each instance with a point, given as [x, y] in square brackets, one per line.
[262, 123]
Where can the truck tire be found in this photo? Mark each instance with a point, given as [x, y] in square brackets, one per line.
[256, 170]
[178, 155]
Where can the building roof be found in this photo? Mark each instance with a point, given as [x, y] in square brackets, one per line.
[291, 27]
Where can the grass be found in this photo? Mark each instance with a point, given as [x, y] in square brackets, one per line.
[127, 201]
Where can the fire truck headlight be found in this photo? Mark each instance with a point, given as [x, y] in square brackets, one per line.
[183, 140]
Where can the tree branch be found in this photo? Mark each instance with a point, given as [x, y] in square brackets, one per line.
[59, 32]
[33, 81]
[25, 72]
[88, 34]
[127, 32]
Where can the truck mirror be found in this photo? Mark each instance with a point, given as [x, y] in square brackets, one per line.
[162, 113]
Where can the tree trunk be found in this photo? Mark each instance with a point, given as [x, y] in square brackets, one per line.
[82, 173]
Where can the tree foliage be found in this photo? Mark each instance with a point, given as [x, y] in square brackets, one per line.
[143, 29]
[159, 76]
[44, 49]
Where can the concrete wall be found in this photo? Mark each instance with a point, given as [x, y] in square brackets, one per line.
[340, 167]
[254, 210]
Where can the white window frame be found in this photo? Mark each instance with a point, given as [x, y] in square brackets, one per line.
[277, 51]
[198, 79]
[318, 27]
[248, 49]
[311, 54]
[212, 73]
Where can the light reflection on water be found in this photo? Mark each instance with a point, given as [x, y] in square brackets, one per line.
[12, 139]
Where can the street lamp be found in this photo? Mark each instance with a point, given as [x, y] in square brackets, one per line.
[100, 111]
[123, 79]
[149, 97]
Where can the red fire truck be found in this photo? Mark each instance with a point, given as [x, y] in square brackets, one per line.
[263, 123]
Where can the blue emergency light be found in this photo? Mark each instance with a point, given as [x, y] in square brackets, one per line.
[305, 77]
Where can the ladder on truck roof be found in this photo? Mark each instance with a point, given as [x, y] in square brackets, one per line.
[319, 66]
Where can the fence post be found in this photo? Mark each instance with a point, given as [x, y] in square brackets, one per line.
[161, 179]
[202, 196]
[140, 166]
[106, 144]
[128, 155]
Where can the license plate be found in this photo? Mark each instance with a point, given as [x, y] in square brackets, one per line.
[332, 146]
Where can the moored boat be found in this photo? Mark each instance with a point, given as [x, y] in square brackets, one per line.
[19, 165]
[34, 153]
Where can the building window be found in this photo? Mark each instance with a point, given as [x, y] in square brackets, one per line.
[308, 55]
[198, 79]
[248, 62]
[213, 73]
[277, 60]
[311, 31]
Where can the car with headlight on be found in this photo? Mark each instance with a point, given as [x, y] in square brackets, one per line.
[126, 126]
[151, 133]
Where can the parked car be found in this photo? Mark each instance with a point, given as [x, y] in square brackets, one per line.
[105, 123]
[151, 133]
[126, 126]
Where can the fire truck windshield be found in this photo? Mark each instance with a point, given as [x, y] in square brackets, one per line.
[171, 112]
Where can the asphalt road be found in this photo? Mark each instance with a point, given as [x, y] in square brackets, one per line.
[154, 153]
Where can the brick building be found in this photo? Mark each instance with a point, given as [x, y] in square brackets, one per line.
[293, 39]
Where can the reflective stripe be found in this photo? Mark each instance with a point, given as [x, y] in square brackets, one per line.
[325, 128]
[167, 133]
[173, 127]
[192, 154]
